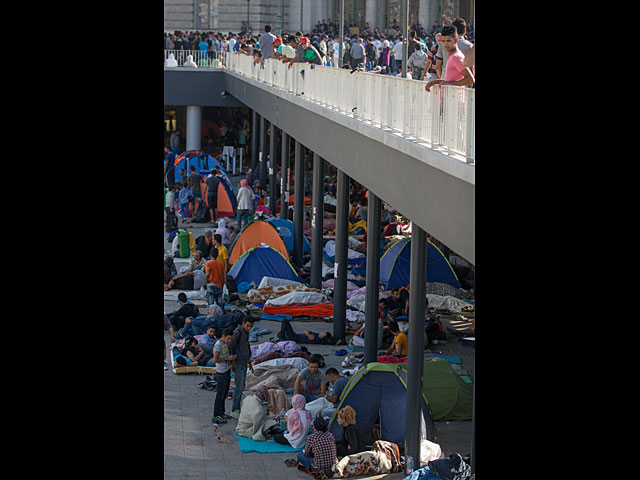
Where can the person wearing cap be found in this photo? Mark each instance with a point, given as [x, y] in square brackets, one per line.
[310, 54]
[319, 453]
[277, 48]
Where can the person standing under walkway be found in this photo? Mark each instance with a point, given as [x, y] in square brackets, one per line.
[241, 347]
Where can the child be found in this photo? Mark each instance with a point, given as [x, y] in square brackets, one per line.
[225, 362]
[184, 198]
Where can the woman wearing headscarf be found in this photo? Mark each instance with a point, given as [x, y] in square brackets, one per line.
[223, 231]
[190, 62]
[171, 61]
[254, 420]
[245, 197]
[298, 424]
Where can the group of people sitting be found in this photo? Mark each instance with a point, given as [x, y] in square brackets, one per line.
[320, 448]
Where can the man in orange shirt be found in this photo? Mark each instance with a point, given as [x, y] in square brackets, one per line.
[216, 277]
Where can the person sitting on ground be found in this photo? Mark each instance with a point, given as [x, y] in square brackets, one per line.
[207, 342]
[204, 243]
[400, 345]
[170, 270]
[187, 309]
[358, 335]
[298, 423]
[254, 421]
[319, 453]
[398, 305]
[308, 337]
[338, 383]
[191, 279]
[311, 382]
[190, 354]
[352, 441]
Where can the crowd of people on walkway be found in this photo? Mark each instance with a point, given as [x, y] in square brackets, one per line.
[366, 49]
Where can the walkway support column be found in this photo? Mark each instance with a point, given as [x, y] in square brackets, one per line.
[194, 127]
[298, 205]
[255, 135]
[263, 153]
[373, 280]
[340, 266]
[284, 178]
[317, 221]
[415, 361]
[273, 168]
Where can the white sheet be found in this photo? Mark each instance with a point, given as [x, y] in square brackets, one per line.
[298, 297]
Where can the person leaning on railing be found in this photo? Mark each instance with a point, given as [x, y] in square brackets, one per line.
[456, 73]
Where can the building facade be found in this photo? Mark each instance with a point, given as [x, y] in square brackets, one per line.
[292, 15]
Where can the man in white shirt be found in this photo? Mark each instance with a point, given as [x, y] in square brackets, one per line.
[397, 50]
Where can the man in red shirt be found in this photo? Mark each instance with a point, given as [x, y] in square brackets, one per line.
[456, 73]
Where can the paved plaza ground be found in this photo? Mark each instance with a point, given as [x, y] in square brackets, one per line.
[191, 450]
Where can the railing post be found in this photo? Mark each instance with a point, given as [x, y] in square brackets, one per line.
[470, 134]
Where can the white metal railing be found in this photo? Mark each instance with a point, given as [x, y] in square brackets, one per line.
[444, 118]
[200, 58]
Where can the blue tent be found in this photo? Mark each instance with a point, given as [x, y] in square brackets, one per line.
[196, 159]
[285, 228]
[395, 266]
[378, 393]
[258, 262]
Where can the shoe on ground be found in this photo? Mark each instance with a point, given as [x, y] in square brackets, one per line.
[235, 413]
[219, 420]
[227, 417]
[166, 366]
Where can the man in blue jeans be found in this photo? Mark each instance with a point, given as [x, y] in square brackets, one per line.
[240, 346]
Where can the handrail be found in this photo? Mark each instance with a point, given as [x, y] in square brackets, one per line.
[443, 119]
[200, 58]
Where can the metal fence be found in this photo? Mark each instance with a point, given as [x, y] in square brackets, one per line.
[443, 119]
[200, 58]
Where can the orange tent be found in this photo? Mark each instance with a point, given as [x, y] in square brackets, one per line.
[253, 235]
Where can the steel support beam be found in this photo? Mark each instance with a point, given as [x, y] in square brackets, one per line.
[317, 221]
[263, 153]
[284, 179]
[273, 168]
[340, 266]
[373, 280]
[415, 361]
[255, 135]
[298, 205]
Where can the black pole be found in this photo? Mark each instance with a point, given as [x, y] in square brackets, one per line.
[263, 153]
[273, 168]
[284, 178]
[255, 133]
[298, 205]
[415, 361]
[373, 280]
[317, 222]
[342, 245]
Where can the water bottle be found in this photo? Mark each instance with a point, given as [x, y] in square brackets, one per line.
[350, 355]
[283, 422]
[409, 466]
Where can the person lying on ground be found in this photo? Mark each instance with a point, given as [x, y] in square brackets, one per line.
[190, 354]
[273, 355]
[338, 383]
[308, 337]
[311, 382]
[400, 345]
[352, 441]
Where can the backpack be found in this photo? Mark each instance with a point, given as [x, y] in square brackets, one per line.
[172, 223]
[201, 215]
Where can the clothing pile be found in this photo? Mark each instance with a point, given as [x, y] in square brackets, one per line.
[261, 295]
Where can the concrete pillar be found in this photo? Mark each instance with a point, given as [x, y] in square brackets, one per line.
[255, 135]
[273, 168]
[373, 279]
[284, 181]
[415, 361]
[194, 127]
[371, 13]
[342, 245]
[298, 205]
[317, 221]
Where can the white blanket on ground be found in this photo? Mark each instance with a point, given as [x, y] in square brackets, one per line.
[298, 297]
[448, 302]
[276, 282]
[316, 406]
[295, 362]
